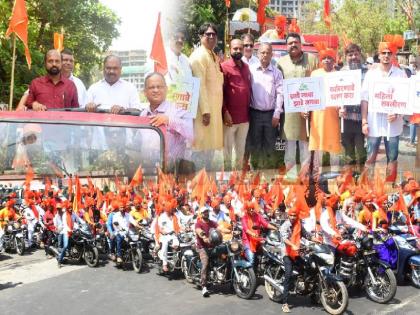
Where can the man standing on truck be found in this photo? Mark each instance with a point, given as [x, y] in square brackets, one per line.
[296, 64]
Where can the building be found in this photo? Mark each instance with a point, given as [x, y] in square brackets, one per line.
[133, 66]
[288, 8]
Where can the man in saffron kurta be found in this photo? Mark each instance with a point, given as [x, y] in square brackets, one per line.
[208, 125]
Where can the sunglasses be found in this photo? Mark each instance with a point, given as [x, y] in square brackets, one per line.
[249, 45]
[386, 53]
[210, 34]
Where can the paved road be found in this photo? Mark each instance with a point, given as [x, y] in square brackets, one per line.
[27, 282]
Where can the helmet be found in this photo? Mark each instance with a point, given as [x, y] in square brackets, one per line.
[215, 237]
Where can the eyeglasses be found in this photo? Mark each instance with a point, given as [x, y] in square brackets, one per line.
[210, 34]
[249, 45]
[386, 53]
[156, 87]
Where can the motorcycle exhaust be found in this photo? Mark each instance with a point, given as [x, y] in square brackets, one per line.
[54, 250]
[276, 286]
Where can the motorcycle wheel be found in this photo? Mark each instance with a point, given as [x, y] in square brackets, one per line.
[334, 297]
[136, 259]
[415, 277]
[20, 246]
[272, 293]
[184, 268]
[247, 284]
[385, 290]
[91, 256]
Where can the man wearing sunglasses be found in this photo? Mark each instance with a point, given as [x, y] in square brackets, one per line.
[208, 125]
[375, 125]
[249, 58]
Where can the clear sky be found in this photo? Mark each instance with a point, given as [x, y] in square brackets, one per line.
[138, 22]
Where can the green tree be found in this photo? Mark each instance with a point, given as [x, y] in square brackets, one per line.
[89, 28]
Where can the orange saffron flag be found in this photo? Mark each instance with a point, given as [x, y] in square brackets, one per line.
[19, 25]
[261, 11]
[158, 54]
[59, 41]
[327, 17]
[137, 178]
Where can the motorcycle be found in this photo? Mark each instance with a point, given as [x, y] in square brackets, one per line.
[399, 249]
[13, 238]
[358, 264]
[176, 253]
[225, 266]
[101, 240]
[314, 277]
[131, 249]
[81, 246]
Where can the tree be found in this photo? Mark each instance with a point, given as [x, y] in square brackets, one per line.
[89, 28]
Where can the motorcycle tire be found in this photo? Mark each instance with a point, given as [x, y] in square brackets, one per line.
[137, 260]
[415, 277]
[342, 302]
[91, 256]
[391, 283]
[251, 281]
[273, 294]
[20, 246]
[184, 268]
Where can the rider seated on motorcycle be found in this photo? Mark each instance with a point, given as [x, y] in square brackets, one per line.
[139, 210]
[31, 214]
[331, 217]
[8, 214]
[202, 231]
[121, 222]
[252, 223]
[48, 221]
[166, 229]
[291, 232]
[65, 225]
[110, 229]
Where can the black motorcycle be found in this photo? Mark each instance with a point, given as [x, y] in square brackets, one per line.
[81, 246]
[358, 264]
[226, 265]
[311, 277]
[14, 238]
[131, 252]
[101, 240]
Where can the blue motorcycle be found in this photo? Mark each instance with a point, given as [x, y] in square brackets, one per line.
[400, 250]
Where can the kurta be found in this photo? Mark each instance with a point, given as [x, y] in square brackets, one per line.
[205, 66]
[294, 125]
[325, 126]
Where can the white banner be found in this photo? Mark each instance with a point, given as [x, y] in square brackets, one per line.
[343, 88]
[185, 95]
[415, 94]
[303, 94]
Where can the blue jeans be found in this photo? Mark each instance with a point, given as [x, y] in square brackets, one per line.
[120, 239]
[250, 256]
[413, 128]
[391, 149]
[65, 243]
[111, 244]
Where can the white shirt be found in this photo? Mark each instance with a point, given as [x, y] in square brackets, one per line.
[179, 68]
[123, 221]
[81, 90]
[378, 122]
[253, 61]
[29, 216]
[121, 93]
[165, 223]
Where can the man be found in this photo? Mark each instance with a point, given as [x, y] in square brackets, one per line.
[139, 210]
[121, 223]
[166, 229]
[53, 90]
[296, 64]
[380, 125]
[48, 221]
[162, 113]
[252, 224]
[352, 138]
[208, 125]
[179, 69]
[236, 100]
[266, 107]
[202, 231]
[289, 250]
[67, 68]
[279, 32]
[111, 230]
[249, 58]
[112, 92]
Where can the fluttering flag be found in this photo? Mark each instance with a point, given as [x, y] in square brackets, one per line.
[158, 54]
[261, 11]
[327, 16]
[137, 178]
[19, 25]
[59, 41]
[29, 177]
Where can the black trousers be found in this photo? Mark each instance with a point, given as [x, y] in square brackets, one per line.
[288, 269]
[353, 141]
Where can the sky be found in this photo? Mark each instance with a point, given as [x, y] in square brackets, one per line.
[138, 22]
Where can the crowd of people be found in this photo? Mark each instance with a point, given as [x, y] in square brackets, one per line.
[169, 207]
[240, 107]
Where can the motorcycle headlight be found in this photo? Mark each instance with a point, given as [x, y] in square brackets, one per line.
[9, 228]
[16, 225]
[328, 258]
[152, 245]
[234, 246]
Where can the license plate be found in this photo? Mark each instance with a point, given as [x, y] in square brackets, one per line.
[369, 252]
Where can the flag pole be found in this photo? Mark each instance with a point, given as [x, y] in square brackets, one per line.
[12, 76]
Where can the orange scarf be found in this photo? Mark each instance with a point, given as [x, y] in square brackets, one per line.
[35, 211]
[253, 241]
[69, 223]
[294, 239]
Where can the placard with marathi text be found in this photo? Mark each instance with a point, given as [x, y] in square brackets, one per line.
[343, 88]
[185, 95]
[303, 94]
